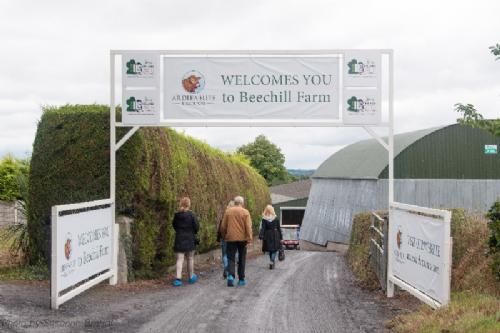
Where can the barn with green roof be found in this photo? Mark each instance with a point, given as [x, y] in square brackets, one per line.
[453, 166]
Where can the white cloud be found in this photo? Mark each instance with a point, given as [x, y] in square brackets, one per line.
[57, 52]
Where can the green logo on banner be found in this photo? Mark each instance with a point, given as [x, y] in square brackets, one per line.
[355, 104]
[133, 105]
[490, 149]
[137, 68]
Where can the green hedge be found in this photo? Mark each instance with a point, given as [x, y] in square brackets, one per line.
[157, 166]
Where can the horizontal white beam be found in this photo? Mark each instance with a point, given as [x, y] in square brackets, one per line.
[82, 288]
[249, 123]
[415, 292]
[250, 52]
[426, 210]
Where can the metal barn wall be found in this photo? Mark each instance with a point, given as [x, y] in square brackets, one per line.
[334, 202]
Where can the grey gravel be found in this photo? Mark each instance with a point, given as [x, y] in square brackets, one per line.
[308, 292]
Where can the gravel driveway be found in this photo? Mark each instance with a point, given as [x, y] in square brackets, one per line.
[308, 292]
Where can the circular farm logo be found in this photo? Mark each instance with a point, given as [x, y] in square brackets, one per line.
[399, 238]
[193, 82]
[67, 246]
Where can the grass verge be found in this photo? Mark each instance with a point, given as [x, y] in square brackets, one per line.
[35, 272]
[467, 313]
[475, 298]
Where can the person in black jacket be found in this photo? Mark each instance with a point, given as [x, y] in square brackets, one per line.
[186, 227]
[270, 233]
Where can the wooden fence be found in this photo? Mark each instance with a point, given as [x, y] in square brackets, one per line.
[10, 214]
[378, 253]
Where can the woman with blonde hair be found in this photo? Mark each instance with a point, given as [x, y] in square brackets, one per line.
[270, 233]
[186, 227]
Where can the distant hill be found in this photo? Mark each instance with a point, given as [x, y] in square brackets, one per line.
[301, 173]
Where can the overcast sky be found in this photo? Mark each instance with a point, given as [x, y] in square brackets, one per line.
[57, 52]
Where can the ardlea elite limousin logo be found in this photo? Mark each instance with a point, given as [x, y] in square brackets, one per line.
[67, 246]
[193, 82]
[399, 238]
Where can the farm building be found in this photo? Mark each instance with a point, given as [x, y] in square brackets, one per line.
[453, 166]
[290, 195]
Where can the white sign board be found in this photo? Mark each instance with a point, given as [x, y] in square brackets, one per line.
[420, 251]
[213, 89]
[81, 244]
[490, 149]
[251, 88]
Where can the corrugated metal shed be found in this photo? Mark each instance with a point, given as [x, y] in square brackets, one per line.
[365, 159]
[452, 152]
[442, 167]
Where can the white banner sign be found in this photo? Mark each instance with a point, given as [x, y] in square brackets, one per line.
[251, 88]
[420, 252]
[83, 246]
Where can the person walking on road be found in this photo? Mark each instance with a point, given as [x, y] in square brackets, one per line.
[186, 227]
[223, 243]
[236, 230]
[270, 234]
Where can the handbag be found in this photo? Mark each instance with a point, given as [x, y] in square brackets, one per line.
[281, 254]
[261, 234]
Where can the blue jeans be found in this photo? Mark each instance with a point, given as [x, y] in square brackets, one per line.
[272, 255]
[237, 251]
[223, 245]
[225, 261]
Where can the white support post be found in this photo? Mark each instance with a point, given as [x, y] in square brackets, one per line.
[54, 304]
[390, 284]
[112, 172]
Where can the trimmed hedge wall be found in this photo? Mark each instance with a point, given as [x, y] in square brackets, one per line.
[70, 163]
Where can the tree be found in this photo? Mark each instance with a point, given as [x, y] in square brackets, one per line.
[471, 117]
[13, 177]
[267, 159]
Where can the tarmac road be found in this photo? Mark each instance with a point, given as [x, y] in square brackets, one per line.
[308, 292]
